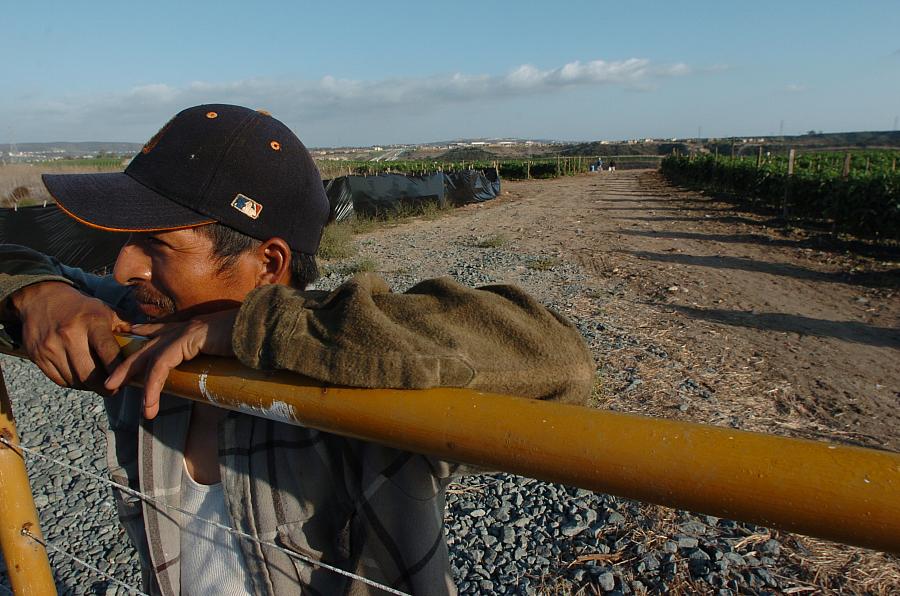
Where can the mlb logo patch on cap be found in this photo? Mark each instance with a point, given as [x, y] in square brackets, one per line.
[247, 206]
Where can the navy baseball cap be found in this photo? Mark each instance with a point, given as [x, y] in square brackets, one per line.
[210, 163]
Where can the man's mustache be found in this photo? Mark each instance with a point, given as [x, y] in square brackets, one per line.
[147, 295]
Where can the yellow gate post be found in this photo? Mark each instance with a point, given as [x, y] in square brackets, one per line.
[26, 560]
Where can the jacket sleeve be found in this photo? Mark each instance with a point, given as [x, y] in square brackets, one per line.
[438, 333]
[21, 266]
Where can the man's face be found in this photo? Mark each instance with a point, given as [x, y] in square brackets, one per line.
[175, 275]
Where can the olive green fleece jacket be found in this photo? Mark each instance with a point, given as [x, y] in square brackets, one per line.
[438, 333]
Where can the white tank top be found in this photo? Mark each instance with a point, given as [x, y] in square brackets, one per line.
[211, 559]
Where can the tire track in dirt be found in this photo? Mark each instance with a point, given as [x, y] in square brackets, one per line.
[761, 329]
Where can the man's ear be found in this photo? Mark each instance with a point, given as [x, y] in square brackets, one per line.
[275, 262]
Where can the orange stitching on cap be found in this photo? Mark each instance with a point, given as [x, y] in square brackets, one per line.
[108, 229]
[275, 145]
[211, 115]
[264, 112]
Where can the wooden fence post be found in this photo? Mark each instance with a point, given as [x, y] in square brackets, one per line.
[846, 173]
[787, 184]
[759, 158]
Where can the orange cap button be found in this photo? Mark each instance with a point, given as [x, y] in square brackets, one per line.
[211, 115]
[275, 145]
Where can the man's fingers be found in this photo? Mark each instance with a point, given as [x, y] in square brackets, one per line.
[82, 363]
[56, 364]
[164, 361]
[130, 366]
[107, 349]
[118, 325]
[49, 369]
[151, 329]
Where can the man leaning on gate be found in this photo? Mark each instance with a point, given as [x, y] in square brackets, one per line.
[226, 208]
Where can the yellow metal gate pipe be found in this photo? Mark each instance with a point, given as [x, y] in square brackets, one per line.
[838, 492]
[26, 560]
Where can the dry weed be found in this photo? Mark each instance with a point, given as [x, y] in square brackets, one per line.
[352, 268]
[21, 183]
[337, 241]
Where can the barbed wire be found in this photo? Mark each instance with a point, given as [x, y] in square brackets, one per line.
[47, 544]
[148, 498]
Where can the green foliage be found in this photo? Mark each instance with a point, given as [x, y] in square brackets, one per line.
[866, 203]
[509, 169]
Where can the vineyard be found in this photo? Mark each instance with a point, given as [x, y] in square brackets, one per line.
[856, 193]
[511, 169]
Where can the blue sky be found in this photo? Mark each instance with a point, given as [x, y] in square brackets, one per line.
[348, 73]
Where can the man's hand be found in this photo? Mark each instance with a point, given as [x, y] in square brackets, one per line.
[172, 344]
[67, 334]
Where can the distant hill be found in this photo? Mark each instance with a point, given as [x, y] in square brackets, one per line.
[76, 148]
[815, 141]
[598, 148]
[466, 154]
[872, 138]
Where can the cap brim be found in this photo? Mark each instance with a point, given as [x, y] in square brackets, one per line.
[116, 202]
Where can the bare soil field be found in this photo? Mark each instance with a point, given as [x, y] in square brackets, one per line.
[714, 315]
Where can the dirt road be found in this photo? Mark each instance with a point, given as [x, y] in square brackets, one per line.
[724, 319]
[784, 334]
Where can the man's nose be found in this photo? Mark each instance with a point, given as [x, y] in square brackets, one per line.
[132, 265]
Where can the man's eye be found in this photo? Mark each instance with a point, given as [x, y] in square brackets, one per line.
[155, 242]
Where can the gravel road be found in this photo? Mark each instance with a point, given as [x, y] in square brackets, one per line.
[507, 534]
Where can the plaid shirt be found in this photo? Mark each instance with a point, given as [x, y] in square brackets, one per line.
[366, 508]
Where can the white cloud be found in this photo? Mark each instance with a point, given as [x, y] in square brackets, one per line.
[795, 88]
[140, 110]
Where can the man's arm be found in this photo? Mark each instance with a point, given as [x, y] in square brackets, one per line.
[66, 331]
[439, 333]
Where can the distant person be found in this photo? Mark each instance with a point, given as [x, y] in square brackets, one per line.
[612, 165]
[599, 164]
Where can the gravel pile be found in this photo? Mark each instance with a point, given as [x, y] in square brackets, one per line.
[507, 534]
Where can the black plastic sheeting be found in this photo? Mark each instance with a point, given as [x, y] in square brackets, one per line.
[50, 231]
[387, 194]
[471, 186]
